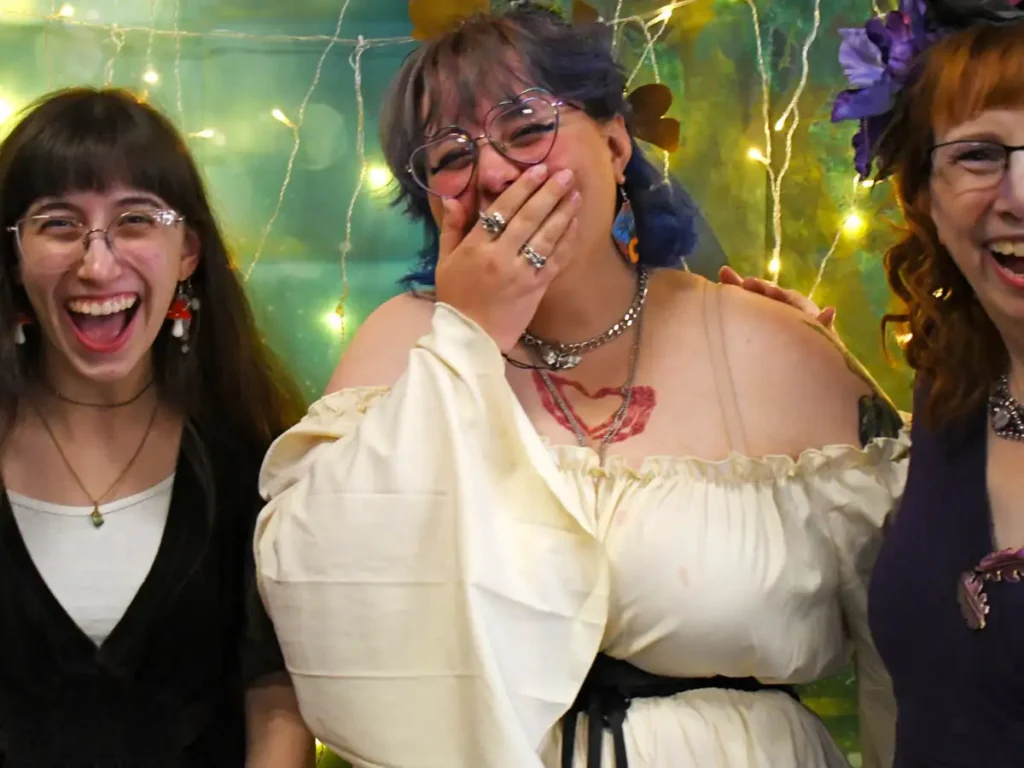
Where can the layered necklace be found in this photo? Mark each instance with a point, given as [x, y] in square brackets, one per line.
[1005, 413]
[96, 516]
[560, 357]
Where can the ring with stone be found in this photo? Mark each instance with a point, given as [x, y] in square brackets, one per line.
[493, 223]
[537, 261]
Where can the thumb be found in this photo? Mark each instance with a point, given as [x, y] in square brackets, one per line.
[453, 226]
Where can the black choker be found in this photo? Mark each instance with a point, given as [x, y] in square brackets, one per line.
[100, 406]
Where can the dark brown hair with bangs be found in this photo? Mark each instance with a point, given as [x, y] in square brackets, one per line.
[954, 346]
[84, 139]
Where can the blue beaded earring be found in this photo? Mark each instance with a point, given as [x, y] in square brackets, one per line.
[624, 229]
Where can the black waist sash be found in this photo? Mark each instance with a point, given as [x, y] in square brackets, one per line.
[608, 690]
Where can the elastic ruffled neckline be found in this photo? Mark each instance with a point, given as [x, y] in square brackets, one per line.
[736, 468]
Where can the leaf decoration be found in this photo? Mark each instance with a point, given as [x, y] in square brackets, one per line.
[584, 13]
[972, 599]
[431, 18]
[650, 103]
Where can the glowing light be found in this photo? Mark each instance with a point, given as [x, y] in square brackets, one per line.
[854, 225]
[904, 338]
[206, 133]
[756, 155]
[867, 183]
[6, 110]
[281, 117]
[780, 124]
[334, 321]
[66, 11]
[775, 266]
[378, 176]
[664, 15]
[151, 76]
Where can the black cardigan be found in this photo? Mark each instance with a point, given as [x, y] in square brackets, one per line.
[166, 688]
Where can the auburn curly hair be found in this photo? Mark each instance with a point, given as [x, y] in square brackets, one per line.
[953, 345]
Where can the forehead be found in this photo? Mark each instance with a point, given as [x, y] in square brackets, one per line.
[1003, 125]
[462, 90]
[116, 196]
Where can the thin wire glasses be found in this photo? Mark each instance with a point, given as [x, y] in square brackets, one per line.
[61, 237]
[522, 130]
[972, 166]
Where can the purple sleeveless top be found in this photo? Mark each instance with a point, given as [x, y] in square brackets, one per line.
[959, 689]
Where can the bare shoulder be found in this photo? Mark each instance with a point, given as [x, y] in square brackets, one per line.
[797, 387]
[379, 352]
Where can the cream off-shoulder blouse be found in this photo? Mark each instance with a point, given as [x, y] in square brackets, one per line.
[441, 579]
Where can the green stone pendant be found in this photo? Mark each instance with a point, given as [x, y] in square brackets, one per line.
[96, 516]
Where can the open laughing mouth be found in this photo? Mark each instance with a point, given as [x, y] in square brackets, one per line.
[103, 324]
[1009, 258]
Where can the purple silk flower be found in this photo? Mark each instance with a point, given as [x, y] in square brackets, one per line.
[877, 60]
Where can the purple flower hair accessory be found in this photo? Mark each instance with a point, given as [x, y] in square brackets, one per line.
[878, 59]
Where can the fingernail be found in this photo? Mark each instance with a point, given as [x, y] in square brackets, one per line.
[538, 171]
[574, 198]
[564, 177]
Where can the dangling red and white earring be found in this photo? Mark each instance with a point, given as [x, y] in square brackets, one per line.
[180, 314]
[19, 327]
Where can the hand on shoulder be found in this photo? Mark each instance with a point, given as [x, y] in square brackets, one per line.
[379, 353]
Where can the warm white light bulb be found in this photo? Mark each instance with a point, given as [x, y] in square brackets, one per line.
[378, 176]
[150, 76]
[854, 225]
[66, 11]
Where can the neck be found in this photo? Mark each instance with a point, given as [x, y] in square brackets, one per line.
[64, 385]
[587, 299]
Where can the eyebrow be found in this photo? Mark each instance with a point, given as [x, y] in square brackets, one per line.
[63, 205]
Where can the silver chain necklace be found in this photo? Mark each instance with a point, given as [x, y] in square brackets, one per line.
[1004, 412]
[561, 357]
[627, 396]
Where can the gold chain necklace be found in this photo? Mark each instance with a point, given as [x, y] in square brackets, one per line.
[96, 516]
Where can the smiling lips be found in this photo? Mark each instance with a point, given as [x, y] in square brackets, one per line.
[102, 324]
[1009, 259]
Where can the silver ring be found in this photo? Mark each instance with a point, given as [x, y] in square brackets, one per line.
[493, 223]
[537, 261]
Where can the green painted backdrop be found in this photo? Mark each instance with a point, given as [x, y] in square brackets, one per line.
[284, 185]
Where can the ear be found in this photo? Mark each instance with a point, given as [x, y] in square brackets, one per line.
[190, 251]
[619, 145]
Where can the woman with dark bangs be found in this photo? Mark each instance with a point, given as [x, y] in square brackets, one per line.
[483, 531]
[947, 605]
[136, 403]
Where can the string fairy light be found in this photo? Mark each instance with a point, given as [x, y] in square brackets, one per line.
[790, 116]
[355, 61]
[296, 129]
[117, 38]
[176, 12]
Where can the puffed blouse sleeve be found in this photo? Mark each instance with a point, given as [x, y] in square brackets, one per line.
[437, 596]
[861, 500]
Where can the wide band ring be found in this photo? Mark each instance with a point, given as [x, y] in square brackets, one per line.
[493, 223]
[537, 261]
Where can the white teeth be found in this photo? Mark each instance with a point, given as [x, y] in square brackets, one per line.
[108, 307]
[1008, 248]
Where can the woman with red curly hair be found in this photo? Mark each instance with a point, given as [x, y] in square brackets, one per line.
[945, 603]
